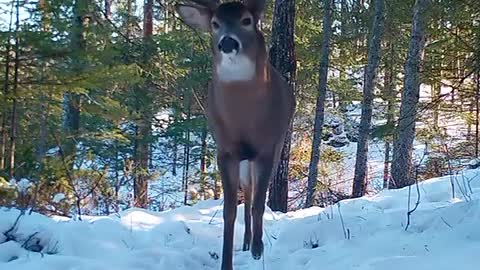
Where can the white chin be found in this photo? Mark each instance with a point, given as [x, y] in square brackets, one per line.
[235, 67]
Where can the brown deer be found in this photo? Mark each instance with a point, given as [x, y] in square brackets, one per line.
[250, 107]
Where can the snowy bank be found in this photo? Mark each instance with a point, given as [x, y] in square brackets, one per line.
[366, 234]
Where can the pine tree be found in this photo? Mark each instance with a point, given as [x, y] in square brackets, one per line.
[282, 57]
[376, 35]
[320, 105]
[402, 167]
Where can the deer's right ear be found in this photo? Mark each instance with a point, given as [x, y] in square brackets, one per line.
[195, 16]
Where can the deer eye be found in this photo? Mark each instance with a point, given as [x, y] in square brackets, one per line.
[246, 22]
[215, 25]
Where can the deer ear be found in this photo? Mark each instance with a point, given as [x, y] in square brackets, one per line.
[195, 16]
[256, 7]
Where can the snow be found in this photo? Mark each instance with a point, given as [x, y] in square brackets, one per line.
[58, 197]
[365, 234]
[22, 186]
[474, 163]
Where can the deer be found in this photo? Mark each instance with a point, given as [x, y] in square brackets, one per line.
[249, 109]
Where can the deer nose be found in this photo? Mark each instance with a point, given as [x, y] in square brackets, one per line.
[228, 44]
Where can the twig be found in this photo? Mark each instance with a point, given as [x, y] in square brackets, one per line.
[24, 245]
[446, 223]
[14, 227]
[452, 184]
[214, 214]
[409, 213]
[347, 236]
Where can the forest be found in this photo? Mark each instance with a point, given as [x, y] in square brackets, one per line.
[107, 160]
[102, 102]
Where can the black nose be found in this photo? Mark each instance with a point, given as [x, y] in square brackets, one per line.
[228, 44]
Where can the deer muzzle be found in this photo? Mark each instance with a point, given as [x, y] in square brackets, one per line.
[229, 44]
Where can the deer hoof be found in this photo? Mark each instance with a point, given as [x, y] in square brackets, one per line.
[257, 250]
[246, 246]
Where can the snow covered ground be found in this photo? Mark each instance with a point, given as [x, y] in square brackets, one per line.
[366, 234]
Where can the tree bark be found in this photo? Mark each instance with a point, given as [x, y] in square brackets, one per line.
[186, 157]
[108, 8]
[13, 123]
[3, 135]
[319, 111]
[203, 161]
[477, 95]
[374, 51]
[142, 157]
[402, 169]
[144, 109]
[282, 57]
[6, 86]
[389, 85]
[436, 95]
[477, 110]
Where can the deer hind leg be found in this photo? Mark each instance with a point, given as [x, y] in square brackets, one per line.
[229, 170]
[246, 182]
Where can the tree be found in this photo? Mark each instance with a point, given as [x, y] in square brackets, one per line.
[72, 99]
[319, 111]
[389, 82]
[282, 57]
[360, 178]
[144, 121]
[6, 86]
[402, 169]
[13, 119]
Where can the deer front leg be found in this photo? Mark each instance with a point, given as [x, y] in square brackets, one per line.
[229, 171]
[265, 166]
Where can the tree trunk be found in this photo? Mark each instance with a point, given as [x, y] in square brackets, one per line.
[319, 111]
[144, 110]
[3, 135]
[436, 92]
[477, 95]
[186, 158]
[148, 18]
[402, 169]
[142, 158]
[360, 177]
[203, 161]
[108, 8]
[44, 97]
[282, 57]
[344, 29]
[390, 93]
[6, 85]
[390, 96]
[477, 110]
[175, 156]
[13, 123]
[386, 164]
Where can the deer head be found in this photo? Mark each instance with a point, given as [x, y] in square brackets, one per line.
[236, 40]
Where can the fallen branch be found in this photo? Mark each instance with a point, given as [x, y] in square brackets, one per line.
[8, 233]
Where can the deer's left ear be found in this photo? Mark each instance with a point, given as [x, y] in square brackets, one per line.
[195, 16]
[256, 7]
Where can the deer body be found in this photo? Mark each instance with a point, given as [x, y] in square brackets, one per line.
[249, 110]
